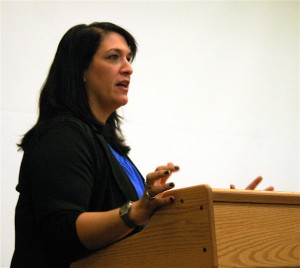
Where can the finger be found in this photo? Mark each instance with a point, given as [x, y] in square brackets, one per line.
[170, 166]
[162, 168]
[161, 174]
[232, 186]
[161, 202]
[254, 183]
[270, 188]
[152, 177]
[157, 190]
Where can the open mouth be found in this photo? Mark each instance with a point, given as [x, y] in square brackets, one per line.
[123, 84]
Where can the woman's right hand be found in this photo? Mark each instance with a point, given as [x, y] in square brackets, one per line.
[143, 209]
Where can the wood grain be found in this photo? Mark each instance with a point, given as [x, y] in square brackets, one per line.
[257, 228]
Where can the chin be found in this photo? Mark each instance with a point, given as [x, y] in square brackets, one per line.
[121, 103]
[124, 101]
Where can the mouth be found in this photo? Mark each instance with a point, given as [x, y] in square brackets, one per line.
[123, 84]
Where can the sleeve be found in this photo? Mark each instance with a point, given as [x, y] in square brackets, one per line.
[62, 169]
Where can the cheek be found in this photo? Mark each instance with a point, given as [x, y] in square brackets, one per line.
[104, 79]
[94, 81]
[100, 77]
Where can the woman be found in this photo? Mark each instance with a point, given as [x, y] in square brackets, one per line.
[75, 173]
[79, 191]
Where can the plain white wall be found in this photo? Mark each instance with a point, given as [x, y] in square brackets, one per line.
[215, 88]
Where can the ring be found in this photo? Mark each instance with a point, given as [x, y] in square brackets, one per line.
[151, 197]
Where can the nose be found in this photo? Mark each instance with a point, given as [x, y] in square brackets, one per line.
[126, 68]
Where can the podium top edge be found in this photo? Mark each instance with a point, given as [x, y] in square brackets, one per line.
[243, 196]
[255, 196]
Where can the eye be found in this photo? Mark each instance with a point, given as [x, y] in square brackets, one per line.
[113, 57]
[130, 57]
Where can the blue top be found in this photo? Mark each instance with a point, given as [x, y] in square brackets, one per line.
[131, 171]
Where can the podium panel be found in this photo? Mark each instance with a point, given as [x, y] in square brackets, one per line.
[208, 227]
[257, 229]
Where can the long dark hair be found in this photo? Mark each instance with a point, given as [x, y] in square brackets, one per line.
[64, 89]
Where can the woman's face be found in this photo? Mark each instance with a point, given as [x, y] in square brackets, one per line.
[108, 76]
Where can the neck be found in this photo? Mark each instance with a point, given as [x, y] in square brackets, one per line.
[100, 114]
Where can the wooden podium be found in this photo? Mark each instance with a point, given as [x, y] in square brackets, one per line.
[208, 227]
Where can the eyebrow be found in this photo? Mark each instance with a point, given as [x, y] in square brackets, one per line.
[120, 51]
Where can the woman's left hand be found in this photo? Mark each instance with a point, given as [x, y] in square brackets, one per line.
[254, 184]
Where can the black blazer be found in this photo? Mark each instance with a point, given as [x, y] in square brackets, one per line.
[68, 170]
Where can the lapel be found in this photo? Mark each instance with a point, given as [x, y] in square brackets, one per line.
[120, 176]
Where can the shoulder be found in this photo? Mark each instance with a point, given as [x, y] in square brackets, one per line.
[64, 122]
[62, 130]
